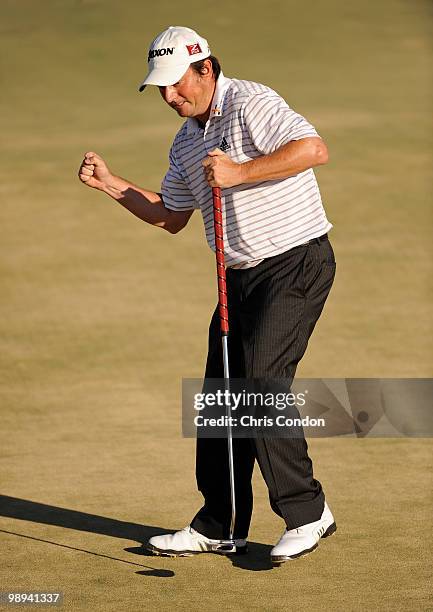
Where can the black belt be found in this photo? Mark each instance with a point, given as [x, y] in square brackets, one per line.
[316, 240]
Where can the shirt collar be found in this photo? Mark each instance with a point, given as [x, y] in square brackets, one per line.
[216, 107]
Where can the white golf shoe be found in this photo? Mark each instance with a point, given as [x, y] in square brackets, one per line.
[304, 539]
[188, 542]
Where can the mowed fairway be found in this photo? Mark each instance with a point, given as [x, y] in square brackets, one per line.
[102, 316]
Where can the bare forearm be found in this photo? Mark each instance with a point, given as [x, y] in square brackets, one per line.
[290, 159]
[144, 204]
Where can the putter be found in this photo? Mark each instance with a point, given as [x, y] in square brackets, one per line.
[229, 546]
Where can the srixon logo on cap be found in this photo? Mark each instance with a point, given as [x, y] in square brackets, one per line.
[193, 49]
[158, 52]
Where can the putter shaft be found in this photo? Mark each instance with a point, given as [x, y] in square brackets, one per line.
[224, 323]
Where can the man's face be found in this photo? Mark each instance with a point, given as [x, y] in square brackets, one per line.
[190, 96]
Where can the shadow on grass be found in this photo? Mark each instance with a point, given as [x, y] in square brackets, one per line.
[26, 510]
[12, 507]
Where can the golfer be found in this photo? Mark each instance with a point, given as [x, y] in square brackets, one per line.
[243, 137]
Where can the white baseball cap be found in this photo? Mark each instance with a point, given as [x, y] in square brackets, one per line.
[171, 53]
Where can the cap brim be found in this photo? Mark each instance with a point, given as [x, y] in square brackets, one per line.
[164, 76]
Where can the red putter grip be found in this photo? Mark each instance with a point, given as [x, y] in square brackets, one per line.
[220, 263]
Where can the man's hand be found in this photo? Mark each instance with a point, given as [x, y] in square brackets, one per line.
[290, 159]
[94, 171]
[220, 170]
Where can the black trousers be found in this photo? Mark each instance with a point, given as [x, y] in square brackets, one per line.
[273, 308]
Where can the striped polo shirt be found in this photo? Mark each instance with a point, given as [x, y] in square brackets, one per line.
[261, 219]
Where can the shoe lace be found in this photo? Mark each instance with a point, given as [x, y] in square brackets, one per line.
[195, 534]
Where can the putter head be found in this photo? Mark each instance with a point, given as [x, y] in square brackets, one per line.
[228, 547]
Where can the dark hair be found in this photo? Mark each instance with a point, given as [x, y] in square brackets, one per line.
[216, 67]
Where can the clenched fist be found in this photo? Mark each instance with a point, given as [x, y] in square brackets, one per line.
[94, 171]
[221, 171]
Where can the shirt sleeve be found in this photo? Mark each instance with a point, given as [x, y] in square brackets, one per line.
[271, 123]
[176, 194]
